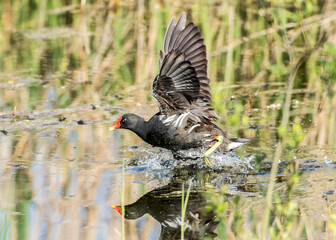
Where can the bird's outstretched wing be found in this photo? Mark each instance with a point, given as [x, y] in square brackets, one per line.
[182, 83]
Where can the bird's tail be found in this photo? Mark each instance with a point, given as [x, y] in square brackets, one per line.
[236, 142]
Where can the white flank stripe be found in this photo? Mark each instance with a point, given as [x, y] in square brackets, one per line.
[169, 119]
[181, 119]
[176, 122]
[234, 145]
[193, 127]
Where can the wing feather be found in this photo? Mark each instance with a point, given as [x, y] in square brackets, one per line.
[168, 63]
[177, 63]
[168, 35]
[182, 83]
[177, 30]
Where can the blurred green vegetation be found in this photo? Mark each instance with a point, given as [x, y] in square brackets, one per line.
[240, 217]
[92, 51]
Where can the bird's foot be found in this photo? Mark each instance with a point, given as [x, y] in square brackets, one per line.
[220, 139]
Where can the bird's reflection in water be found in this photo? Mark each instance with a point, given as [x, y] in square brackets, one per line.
[165, 205]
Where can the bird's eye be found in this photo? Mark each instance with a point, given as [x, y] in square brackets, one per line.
[123, 120]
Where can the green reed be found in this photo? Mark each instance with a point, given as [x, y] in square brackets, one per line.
[184, 204]
[122, 202]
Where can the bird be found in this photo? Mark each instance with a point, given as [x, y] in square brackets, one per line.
[165, 205]
[185, 123]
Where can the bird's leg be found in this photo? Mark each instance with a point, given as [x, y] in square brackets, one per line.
[220, 139]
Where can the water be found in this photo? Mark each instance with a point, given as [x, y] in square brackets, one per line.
[59, 178]
[66, 76]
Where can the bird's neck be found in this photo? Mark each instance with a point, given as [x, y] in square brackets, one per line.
[141, 128]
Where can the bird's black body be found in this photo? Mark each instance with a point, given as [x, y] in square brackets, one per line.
[185, 122]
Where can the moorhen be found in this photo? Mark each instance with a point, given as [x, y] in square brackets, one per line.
[185, 124]
[165, 205]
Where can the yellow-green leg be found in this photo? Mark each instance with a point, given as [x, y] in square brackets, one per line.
[212, 149]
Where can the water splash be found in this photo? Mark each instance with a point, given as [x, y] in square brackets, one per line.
[157, 159]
